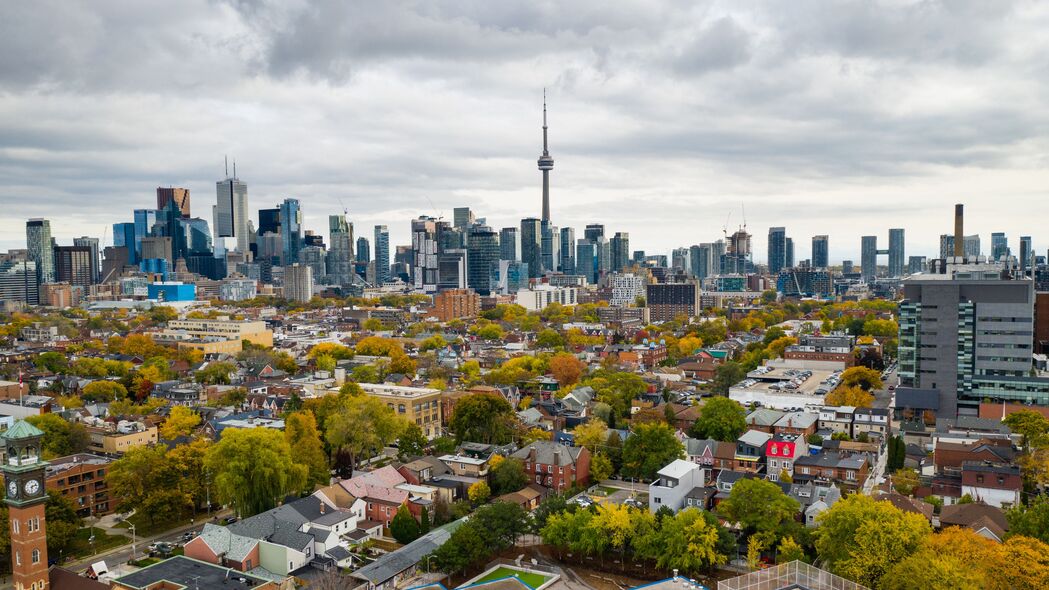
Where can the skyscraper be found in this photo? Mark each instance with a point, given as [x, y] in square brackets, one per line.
[231, 211]
[1026, 255]
[339, 259]
[700, 258]
[788, 261]
[550, 242]
[145, 219]
[96, 262]
[462, 217]
[586, 260]
[269, 221]
[999, 246]
[298, 282]
[868, 258]
[777, 249]
[531, 246]
[593, 231]
[424, 254]
[73, 265]
[482, 251]
[124, 236]
[179, 195]
[509, 244]
[291, 230]
[896, 252]
[382, 254]
[41, 249]
[364, 250]
[567, 251]
[619, 247]
[820, 251]
[546, 164]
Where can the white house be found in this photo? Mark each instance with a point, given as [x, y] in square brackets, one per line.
[675, 481]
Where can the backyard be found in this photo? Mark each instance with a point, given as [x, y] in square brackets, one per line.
[533, 579]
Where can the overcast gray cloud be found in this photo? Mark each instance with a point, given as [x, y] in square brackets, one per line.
[845, 118]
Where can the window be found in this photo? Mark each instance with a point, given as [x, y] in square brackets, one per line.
[36, 556]
[539, 479]
[18, 558]
[14, 526]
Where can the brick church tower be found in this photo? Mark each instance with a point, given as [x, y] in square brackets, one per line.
[25, 497]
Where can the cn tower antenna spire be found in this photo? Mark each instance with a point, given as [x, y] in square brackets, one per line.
[546, 164]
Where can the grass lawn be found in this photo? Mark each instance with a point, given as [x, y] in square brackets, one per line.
[145, 562]
[81, 547]
[532, 579]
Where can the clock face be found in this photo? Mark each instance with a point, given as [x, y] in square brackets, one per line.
[12, 489]
[32, 487]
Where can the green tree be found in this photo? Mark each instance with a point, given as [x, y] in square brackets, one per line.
[62, 522]
[905, 481]
[650, 448]
[365, 374]
[304, 440]
[361, 426]
[404, 527]
[1033, 426]
[721, 419]
[52, 362]
[60, 438]
[726, 375]
[862, 377]
[593, 435]
[424, 521]
[217, 373]
[484, 418]
[549, 338]
[254, 469]
[411, 443]
[758, 505]
[508, 476]
[690, 543]
[1031, 521]
[789, 551]
[861, 539]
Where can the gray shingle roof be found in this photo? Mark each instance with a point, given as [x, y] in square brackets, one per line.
[549, 453]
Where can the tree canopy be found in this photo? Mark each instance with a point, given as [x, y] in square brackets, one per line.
[721, 419]
[483, 417]
[254, 469]
[648, 449]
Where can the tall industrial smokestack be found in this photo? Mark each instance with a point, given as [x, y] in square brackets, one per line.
[959, 230]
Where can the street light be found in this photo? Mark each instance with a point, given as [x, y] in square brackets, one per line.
[132, 527]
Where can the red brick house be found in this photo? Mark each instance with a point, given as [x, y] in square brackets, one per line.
[555, 466]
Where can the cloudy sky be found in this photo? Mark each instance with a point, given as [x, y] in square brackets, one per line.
[666, 117]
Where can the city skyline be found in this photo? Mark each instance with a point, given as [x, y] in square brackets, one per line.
[727, 106]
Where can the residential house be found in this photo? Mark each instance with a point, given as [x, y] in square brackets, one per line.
[995, 484]
[837, 418]
[527, 497]
[800, 424]
[781, 452]
[673, 482]
[750, 451]
[764, 419]
[185, 572]
[874, 422]
[987, 521]
[851, 472]
[555, 466]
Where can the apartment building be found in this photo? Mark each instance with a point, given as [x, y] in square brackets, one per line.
[420, 405]
[82, 479]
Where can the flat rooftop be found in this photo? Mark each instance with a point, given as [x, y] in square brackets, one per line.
[773, 380]
[183, 572]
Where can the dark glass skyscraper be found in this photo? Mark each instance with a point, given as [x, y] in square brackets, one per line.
[897, 258]
[777, 249]
[619, 249]
[531, 246]
[568, 250]
[509, 244]
[382, 254]
[820, 251]
[482, 253]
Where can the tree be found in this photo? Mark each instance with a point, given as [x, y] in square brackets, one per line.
[361, 426]
[954, 558]
[726, 375]
[60, 438]
[779, 345]
[601, 468]
[721, 419]
[897, 453]
[479, 492]
[862, 377]
[62, 522]
[617, 389]
[1032, 521]
[103, 391]
[689, 542]
[484, 418]
[566, 368]
[489, 332]
[424, 521]
[411, 443]
[253, 468]
[160, 483]
[333, 349]
[181, 422]
[52, 362]
[759, 506]
[861, 539]
[1033, 426]
[849, 395]
[593, 435]
[553, 504]
[650, 448]
[304, 440]
[789, 551]
[508, 476]
[688, 345]
[905, 481]
[548, 338]
[217, 373]
[403, 527]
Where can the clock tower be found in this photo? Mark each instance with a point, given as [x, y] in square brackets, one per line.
[25, 497]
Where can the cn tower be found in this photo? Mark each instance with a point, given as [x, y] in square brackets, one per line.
[546, 164]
